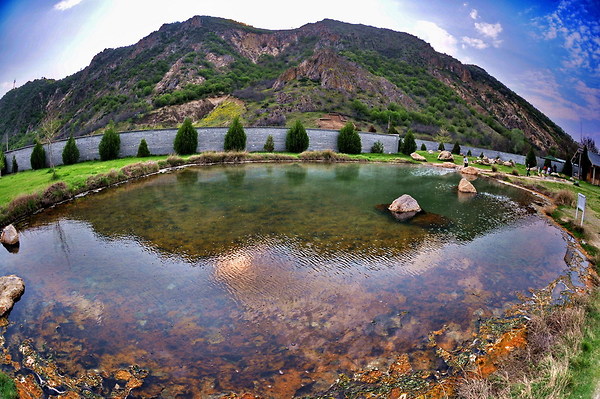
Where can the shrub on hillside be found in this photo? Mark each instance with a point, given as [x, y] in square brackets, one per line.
[70, 154]
[372, 129]
[392, 130]
[348, 140]
[186, 140]
[377, 148]
[235, 139]
[410, 145]
[38, 156]
[143, 150]
[296, 139]
[110, 144]
[269, 144]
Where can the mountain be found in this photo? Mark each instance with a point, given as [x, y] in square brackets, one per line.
[211, 69]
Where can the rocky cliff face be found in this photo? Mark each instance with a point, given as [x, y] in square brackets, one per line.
[359, 71]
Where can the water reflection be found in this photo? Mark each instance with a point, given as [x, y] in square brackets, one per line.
[271, 281]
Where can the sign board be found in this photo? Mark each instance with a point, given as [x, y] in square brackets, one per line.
[580, 206]
[581, 202]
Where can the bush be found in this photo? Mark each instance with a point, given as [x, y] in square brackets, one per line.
[143, 150]
[494, 168]
[269, 144]
[392, 130]
[399, 144]
[55, 193]
[38, 156]
[481, 155]
[568, 168]
[515, 172]
[110, 144]
[469, 154]
[423, 147]
[235, 139]
[530, 160]
[348, 140]
[186, 140]
[15, 165]
[410, 145]
[8, 389]
[325, 155]
[372, 129]
[564, 197]
[70, 154]
[441, 147]
[296, 139]
[456, 149]
[174, 160]
[377, 148]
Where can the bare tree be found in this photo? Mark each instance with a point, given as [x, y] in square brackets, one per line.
[589, 142]
[48, 131]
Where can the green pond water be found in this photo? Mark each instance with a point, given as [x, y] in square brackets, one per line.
[272, 279]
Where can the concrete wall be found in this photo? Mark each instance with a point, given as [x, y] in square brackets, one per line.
[160, 142]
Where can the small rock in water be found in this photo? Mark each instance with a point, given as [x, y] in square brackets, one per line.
[405, 203]
[466, 187]
[10, 235]
[11, 289]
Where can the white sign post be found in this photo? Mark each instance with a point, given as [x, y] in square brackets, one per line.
[580, 205]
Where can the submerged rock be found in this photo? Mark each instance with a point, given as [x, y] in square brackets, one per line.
[11, 289]
[405, 203]
[418, 157]
[10, 235]
[445, 156]
[466, 187]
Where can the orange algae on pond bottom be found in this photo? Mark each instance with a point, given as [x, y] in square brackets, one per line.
[496, 352]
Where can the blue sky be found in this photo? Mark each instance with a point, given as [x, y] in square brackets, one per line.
[546, 51]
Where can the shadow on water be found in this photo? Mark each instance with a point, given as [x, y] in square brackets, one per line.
[272, 278]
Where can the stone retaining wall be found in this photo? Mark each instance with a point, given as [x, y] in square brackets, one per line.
[160, 142]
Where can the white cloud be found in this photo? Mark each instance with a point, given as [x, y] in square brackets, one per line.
[66, 4]
[541, 88]
[489, 30]
[438, 37]
[473, 14]
[474, 42]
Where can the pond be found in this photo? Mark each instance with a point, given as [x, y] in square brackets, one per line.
[272, 279]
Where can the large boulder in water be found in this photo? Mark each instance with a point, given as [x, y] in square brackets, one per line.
[466, 187]
[446, 156]
[11, 289]
[10, 235]
[405, 203]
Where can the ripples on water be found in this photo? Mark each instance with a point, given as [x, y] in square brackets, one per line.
[270, 278]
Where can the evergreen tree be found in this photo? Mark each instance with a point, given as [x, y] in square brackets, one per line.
[296, 139]
[410, 145]
[441, 147]
[399, 144]
[110, 144]
[481, 155]
[186, 139]
[269, 144]
[15, 165]
[567, 168]
[70, 154]
[143, 150]
[377, 147]
[235, 139]
[2, 163]
[456, 149]
[348, 140]
[530, 160]
[423, 147]
[469, 154]
[586, 164]
[38, 156]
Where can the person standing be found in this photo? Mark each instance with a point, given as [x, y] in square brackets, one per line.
[466, 161]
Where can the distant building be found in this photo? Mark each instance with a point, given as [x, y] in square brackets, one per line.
[591, 170]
